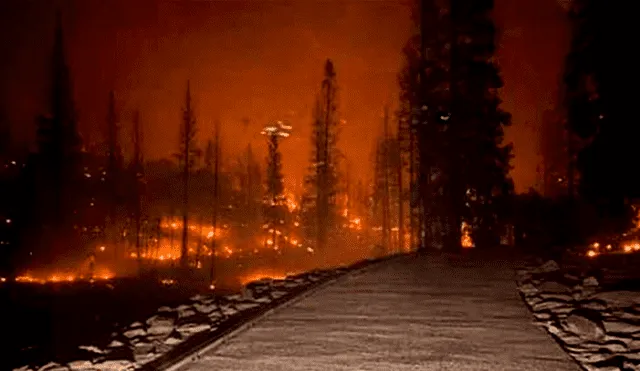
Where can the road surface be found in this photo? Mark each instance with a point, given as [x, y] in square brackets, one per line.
[409, 313]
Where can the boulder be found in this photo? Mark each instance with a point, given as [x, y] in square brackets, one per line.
[586, 325]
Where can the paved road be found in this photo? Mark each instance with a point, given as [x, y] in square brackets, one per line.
[410, 313]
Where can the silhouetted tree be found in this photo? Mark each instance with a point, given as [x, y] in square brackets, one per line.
[464, 163]
[601, 112]
[188, 153]
[323, 181]
[54, 189]
[113, 176]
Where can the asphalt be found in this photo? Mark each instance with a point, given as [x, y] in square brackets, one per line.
[417, 312]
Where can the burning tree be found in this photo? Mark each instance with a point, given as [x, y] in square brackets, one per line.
[275, 199]
[321, 214]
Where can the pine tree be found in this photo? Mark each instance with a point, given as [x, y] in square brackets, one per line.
[188, 153]
[599, 109]
[460, 125]
[477, 122]
[58, 139]
[323, 181]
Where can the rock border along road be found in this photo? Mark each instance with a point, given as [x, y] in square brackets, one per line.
[415, 312]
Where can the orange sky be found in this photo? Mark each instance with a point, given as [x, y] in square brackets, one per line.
[261, 60]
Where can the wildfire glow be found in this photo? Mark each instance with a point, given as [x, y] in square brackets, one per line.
[260, 276]
[103, 274]
[465, 240]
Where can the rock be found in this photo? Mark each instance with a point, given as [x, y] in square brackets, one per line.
[589, 329]
[192, 328]
[548, 305]
[542, 316]
[552, 287]
[134, 333]
[91, 348]
[52, 366]
[566, 298]
[618, 299]
[172, 340]
[621, 327]
[615, 346]
[199, 298]
[186, 313]
[571, 277]
[165, 310]
[634, 345]
[590, 282]
[278, 294]
[533, 300]
[228, 310]
[142, 347]
[549, 266]
[593, 358]
[528, 289]
[80, 365]
[136, 325]
[245, 306]
[115, 344]
[204, 308]
[234, 297]
[565, 337]
[631, 366]
[161, 327]
[596, 305]
[115, 365]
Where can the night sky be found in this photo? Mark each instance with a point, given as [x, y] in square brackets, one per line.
[261, 60]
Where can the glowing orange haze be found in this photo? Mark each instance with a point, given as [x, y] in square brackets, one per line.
[256, 59]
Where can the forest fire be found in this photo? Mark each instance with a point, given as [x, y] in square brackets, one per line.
[65, 277]
[257, 276]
